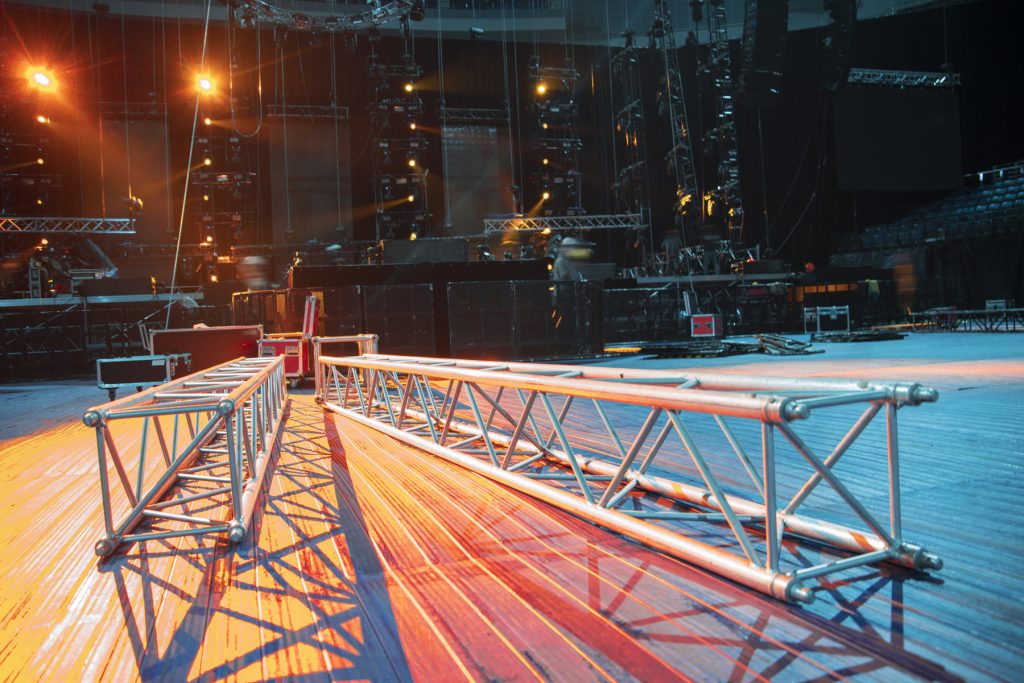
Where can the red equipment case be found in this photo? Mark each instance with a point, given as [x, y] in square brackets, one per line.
[706, 325]
[295, 346]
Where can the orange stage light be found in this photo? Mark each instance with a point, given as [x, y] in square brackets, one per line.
[41, 78]
[205, 84]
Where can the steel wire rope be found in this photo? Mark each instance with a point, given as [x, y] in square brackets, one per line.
[508, 107]
[188, 167]
[127, 138]
[337, 140]
[796, 174]
[822, 158]
[444, 121]
[281, 48]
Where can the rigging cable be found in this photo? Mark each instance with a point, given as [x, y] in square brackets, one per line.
[281, 46]
[508, 108]
[127, 140]
[444, 121]
[188, 168]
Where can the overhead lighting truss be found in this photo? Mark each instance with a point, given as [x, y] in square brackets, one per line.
[904, 79]
[377, 13]
[299, 111]
[78, 226]
[563, 223]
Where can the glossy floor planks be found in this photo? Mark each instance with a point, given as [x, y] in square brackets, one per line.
[372, 561]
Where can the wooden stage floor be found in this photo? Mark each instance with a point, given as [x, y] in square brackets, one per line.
[372, 561]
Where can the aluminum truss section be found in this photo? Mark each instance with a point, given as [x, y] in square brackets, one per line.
[570, 223]
[459, 116]
[723, 134]
[631, 184]
[904, 79]
[672, 104]
[305, 111]
[613, 446]
[248, 12]
[77, 226]
[205, 438]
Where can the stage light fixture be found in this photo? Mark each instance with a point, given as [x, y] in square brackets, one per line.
[546, 161]
[544, 125]
[213, 277]
[44, 241]
[546, 231]
[209, 238]
[546, 195]
[207, 161]
[412, 125]
[40, 161]
[43, 119]
[205, 84]
[408, 87]
[411, 198]
[412, 236]
[412, 163]
[39, 201]
[41, 79]
[206, 197]
[541, 88]
[208, 121]
[417, 11]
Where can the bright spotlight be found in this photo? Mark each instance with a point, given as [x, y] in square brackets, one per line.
[412, 163]
[41, 79]
[412, 125]
[40, 161]
[213, 277]
[44, 241]
[42, 119]
[207, 161]
[206, 197]
[208, 121]
[546, 195]
[205, 84]
[39, 201]
[546, 161]
[541, 88]
[411, 198]
[209, 238]
[408, 87]
[544, 125]
[412, 236]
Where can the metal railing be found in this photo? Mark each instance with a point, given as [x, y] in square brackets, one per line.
[203, 441]
[665, 458]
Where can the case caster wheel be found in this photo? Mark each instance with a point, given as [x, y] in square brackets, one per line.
[112, 393]
[294, 383]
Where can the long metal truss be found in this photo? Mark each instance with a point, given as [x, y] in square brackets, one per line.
[307, 111]
[680, 157]
[723, 134]
[558, 223]
[78, 226]
[631, 185]
[904, 79]
[223, 428]
[645, 453]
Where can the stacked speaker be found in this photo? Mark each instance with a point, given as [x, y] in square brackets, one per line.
[763, 52]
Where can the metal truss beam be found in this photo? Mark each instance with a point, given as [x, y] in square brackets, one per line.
[205, 438]
[79, 226]
[134, 110]
[904, 79]
[299, 111]
[561, 223]
[454, 116]
[267, 13]
[688, 464]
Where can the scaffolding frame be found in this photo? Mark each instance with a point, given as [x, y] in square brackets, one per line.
[519, 424]
[224, 426]
[569, 223]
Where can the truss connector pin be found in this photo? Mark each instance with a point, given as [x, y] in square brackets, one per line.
[797, 592]
[226, 407]
[236, 532]
[92, 418]
[917, 557]
[104, 547]
[791, 410]
[914, 394]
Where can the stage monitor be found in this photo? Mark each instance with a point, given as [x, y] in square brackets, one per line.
[898, 139]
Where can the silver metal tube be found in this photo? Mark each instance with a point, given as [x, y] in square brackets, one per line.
[893, 449]
[781, 586]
